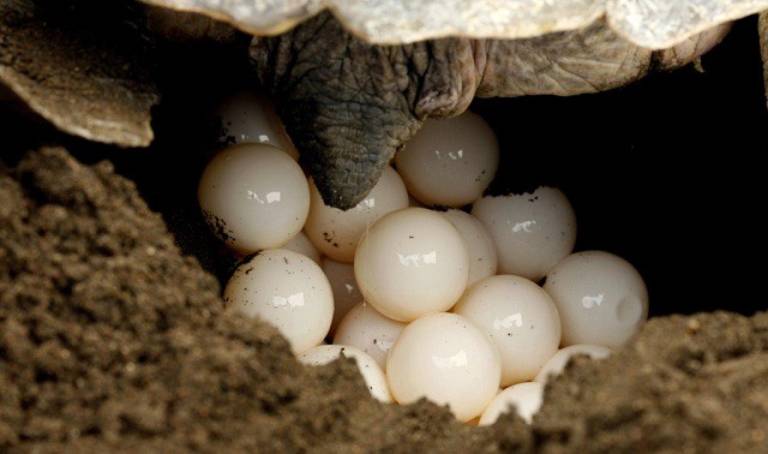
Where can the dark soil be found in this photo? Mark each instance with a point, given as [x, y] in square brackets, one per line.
[687, 384]
[111, 340]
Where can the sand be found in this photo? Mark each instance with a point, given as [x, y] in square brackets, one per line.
[110, 339]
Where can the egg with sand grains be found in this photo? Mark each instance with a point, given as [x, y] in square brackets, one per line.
[557, 363]
[247, 117]
[374, 378]
[346, 292]
[301, 244]
[532, 232]
[287, 290]
[480, 246]
[519, 318]
[363, 327]
[450, 161]
[336, 232]
[523, 398]
[410, 263]
[254, 197]
[446, 359]
[601, 297]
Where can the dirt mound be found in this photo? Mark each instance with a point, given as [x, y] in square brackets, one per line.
[111, 340]
[687, 384]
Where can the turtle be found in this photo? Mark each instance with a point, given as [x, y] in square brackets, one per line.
[355, 79]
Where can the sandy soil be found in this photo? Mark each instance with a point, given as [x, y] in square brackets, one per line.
[111, 339]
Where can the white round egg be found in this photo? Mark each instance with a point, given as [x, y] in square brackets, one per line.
[532, 231]
[301, 244]
[557, 363]
[346, 293]
[363, 327]
[451, 161]
[446, 359]
[287, 290]
[336, 232]
[247, 117]
[369, 369]
[525, 398]
[480, 247]
[602, 299]
[254, 197]
[410, 263]
[519, 318]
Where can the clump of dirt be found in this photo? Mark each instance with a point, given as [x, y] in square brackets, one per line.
[110, 339]
[687, 384]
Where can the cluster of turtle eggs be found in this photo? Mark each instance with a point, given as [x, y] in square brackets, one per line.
[442, 304]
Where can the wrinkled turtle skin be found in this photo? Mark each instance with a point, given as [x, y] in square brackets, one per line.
[349, 105]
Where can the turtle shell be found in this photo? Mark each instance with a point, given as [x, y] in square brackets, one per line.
[84, 68]
[91, 73]
[87, 72]
[656, 24]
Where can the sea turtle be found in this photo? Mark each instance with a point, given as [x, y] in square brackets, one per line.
[356, 78]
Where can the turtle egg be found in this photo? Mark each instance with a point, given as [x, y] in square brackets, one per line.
[287, 290]
[254, 197]
[449, 162]
[371, 372]
[336, 232]
[301, 244]
[369, 331]
[557, 363]
[480, 247]
[519, 318]
[532, 231]
[446, 359]
[346, 293]
[248, 117]
[410, 263]
[526, 399]
[602, 299]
